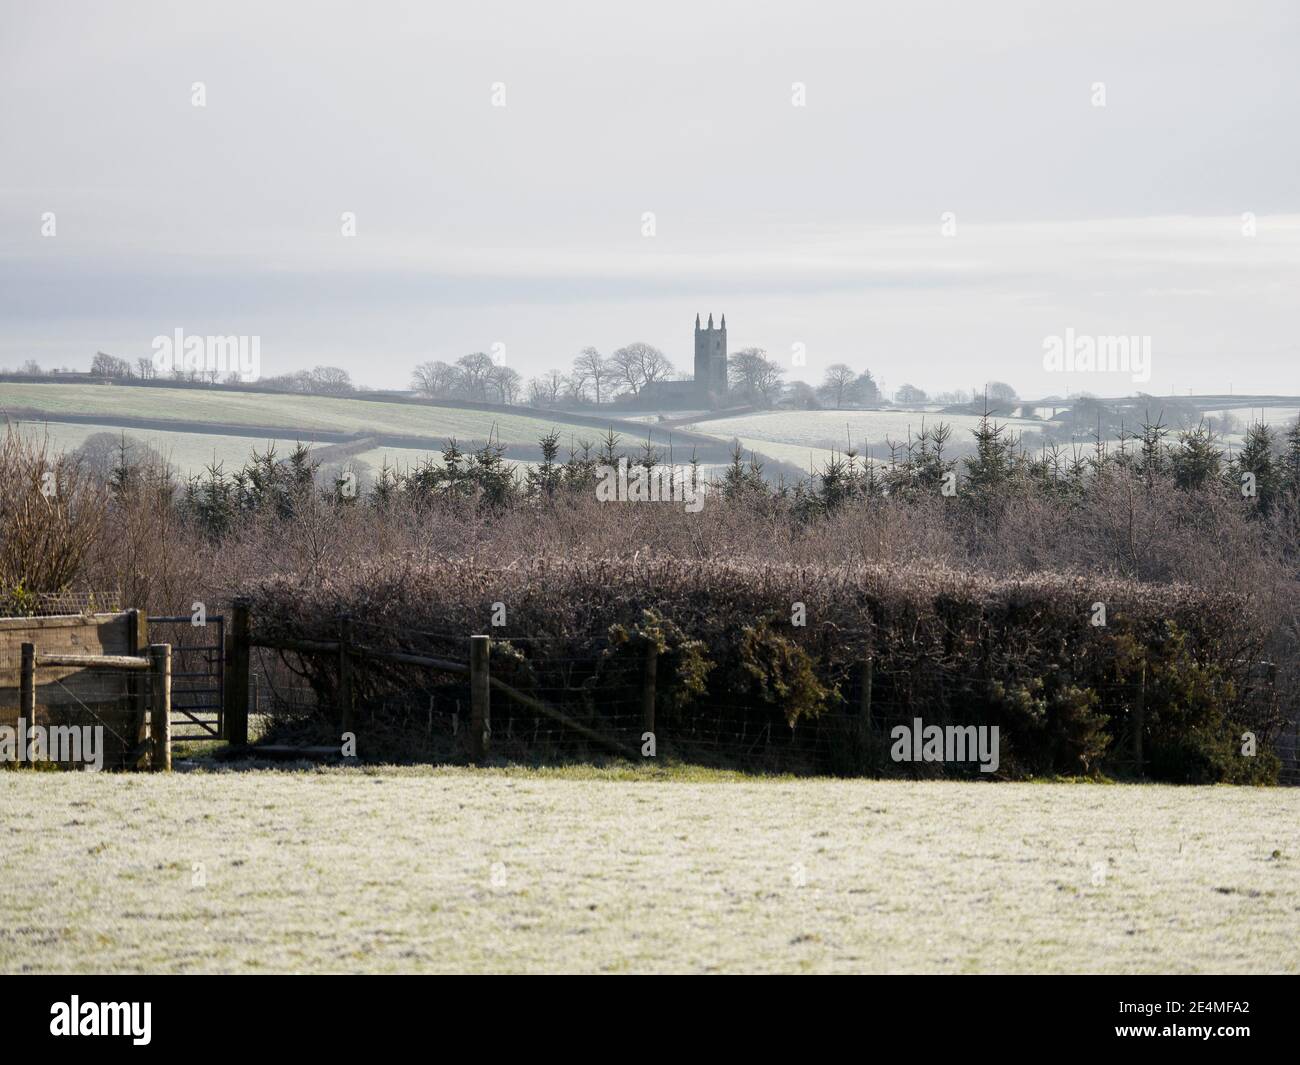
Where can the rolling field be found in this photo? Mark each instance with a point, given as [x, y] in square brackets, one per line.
[326, 413]
[205, 424]
[803, 458]
[406, 459]
[1279, 418]
[189, 453]
[824, 429]
[347, 870]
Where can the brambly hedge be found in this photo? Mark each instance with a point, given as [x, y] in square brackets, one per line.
[765, 664]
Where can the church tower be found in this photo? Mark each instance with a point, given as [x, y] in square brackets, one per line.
[711, 362]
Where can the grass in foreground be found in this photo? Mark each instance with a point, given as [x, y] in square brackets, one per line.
[630, 870]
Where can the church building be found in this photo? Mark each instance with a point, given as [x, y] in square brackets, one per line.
[709, 388]
[711, 362]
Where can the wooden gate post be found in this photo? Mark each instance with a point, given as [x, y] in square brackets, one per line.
[237, 656]
[345, 673]
[648, 692]
[160, 714]
[137, 635]
[864, 705]
[480, 712]
[27, 692]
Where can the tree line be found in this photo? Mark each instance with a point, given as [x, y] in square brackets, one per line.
[319, 380]
[594, 378]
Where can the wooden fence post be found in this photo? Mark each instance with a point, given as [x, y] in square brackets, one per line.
[160, 715]
[345, 673]
[237, 657]
[648, 692]
[1139, 719]
[137, 628]
[480, 712]
[27, 692]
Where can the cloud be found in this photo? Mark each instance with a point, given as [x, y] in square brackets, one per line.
[816, 224]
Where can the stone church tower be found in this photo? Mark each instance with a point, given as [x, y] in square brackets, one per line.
[711, 362]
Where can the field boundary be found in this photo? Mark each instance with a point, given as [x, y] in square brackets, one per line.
[99, 671]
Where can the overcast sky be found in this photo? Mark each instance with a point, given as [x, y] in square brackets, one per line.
[523, 225]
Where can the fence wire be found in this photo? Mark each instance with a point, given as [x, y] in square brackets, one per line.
[410, 713]
[86, 718]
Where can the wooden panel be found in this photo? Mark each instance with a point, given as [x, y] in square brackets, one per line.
[94, 634]
[72, 694]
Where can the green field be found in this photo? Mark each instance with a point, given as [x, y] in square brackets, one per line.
[191, 448]
[327, 413]
[805, 440]
[188, 453]
[444, 870]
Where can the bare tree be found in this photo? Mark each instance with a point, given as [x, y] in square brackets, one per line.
[627, 367]
[836, 385]
[755, 376]
[505, 382]
[655, 365]
[640, 364]
[575, 391]
[436, 379]
[476, 370]
[330, 379]
[545, 391]
[1000, 393]
[105, 365]
[591, 365]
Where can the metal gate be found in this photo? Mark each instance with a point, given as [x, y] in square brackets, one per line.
[198, 673]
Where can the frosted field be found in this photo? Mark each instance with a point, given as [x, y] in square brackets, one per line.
[1280, 418]
[189, 453]
[451, 870]
[406, 459]
[807, 459]
[833, 428]
[343, 414]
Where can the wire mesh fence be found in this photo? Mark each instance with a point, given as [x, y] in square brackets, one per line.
[85, 718]
[56, 604]
[931, 718]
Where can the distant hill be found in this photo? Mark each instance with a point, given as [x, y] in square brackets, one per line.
[194, 424]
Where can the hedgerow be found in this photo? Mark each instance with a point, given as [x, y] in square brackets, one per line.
[946, 646]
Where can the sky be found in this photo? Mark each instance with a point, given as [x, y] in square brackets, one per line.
[928, 190]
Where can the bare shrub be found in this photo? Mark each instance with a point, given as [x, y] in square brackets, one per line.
[51, 517]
